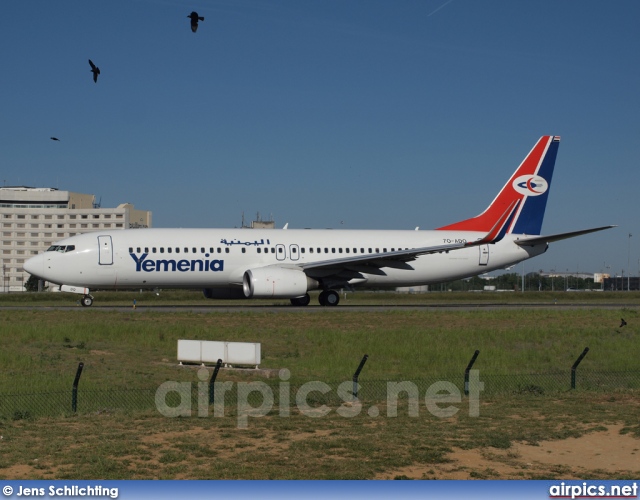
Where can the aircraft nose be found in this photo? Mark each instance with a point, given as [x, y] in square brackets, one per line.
[35, 265]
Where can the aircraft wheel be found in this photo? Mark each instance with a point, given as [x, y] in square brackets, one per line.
[332, 298]
[329, 298]
[86, 301]
[301, 301]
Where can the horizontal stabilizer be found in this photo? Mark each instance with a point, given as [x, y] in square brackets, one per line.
[539, 240]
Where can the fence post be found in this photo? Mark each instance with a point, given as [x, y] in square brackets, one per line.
[466, 372]
[575, 365]
[212, 381]
[355, 377]
[74, 392]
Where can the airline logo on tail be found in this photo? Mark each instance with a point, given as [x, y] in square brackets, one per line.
[528, 186]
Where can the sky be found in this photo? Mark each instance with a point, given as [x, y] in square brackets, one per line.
[346, 114]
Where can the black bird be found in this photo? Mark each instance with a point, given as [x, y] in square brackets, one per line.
[95, 70]
[194, 20]
[55, 139]
[622, 322]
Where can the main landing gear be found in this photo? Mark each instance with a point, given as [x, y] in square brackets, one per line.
[301, 301]
[326, 298]
[329, 298]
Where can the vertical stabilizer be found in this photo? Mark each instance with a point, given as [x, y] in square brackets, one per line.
[526, 191]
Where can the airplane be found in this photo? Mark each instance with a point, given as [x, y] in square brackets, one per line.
[288, 263]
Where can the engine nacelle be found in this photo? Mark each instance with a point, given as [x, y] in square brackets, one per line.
[276, 283]
[223, 293]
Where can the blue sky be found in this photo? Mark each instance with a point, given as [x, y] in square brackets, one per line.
[330, 113]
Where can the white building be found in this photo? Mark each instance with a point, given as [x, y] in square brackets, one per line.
[32, 219]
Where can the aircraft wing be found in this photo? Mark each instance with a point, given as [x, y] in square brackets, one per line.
[539, 240]
[400, 258]
[384, 259]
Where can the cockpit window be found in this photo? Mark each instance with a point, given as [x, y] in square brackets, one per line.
[61, 248]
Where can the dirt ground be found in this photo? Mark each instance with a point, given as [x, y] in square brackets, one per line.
[573, 458]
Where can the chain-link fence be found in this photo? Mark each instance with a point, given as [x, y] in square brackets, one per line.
[190, 397]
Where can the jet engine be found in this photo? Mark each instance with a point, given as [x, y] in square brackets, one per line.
[276, 282]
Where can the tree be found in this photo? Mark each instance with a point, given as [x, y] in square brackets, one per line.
[32, 284]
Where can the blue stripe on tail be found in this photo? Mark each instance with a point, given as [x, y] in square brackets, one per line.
[530, 219]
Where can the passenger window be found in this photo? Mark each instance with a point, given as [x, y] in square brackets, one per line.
[244, 250]
[226, 250]
[153, 249]
[177, 250]
[259, 250]
[169, 249]
[273, 250]
[130, 249]
[339, 250]
[293, 250]
[194, 250]
[138, 250]
[279, 250]
[161, 249]
[201, 250]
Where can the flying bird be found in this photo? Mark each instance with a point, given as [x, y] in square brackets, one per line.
[194, 20]
[95, 70]
[55, 139]
[622, 322]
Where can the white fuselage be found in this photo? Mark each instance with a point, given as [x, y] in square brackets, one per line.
[212, 258]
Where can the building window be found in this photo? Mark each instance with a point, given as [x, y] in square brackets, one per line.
[118, 225]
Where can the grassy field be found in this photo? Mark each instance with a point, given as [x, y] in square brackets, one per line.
[136, 349]
[185, 297]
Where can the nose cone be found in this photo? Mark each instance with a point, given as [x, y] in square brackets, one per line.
[35, 266]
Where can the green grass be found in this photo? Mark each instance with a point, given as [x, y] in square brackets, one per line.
[195, 297]
[41, 348]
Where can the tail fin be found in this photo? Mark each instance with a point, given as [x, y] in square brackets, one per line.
[523, 198]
